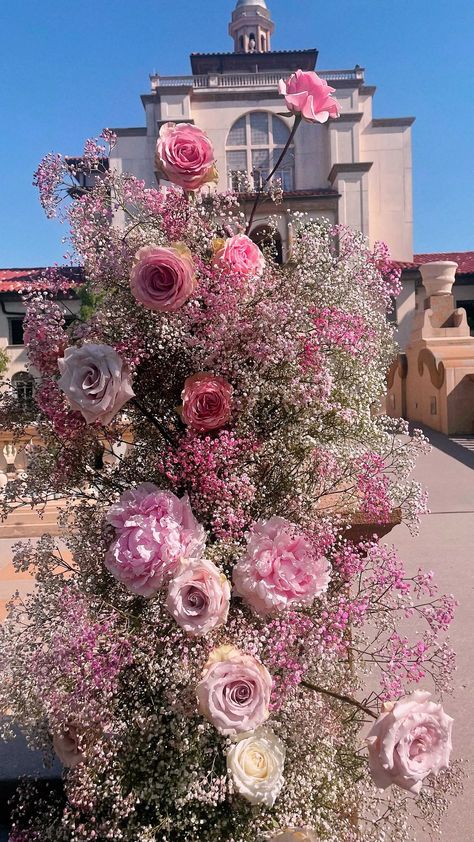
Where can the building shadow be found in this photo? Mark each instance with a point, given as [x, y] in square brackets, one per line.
[450, 445]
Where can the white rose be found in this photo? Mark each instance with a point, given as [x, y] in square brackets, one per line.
[256, 764]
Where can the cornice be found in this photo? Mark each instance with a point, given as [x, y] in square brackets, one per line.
[392, 122]
[341, 169]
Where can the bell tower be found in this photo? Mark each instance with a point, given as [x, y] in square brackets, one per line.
[251, 27]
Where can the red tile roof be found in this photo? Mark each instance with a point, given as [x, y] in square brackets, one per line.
[17, 280]
[464, 259]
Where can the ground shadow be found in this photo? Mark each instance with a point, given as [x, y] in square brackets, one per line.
[449, 445]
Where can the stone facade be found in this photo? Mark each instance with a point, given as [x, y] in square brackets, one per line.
[356, 170]
[23, 381]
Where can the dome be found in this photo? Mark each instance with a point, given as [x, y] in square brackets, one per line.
[242, 3]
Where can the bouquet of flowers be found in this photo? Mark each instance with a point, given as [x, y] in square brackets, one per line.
[213, 649]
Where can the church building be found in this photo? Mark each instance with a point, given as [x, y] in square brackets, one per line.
[356, 170]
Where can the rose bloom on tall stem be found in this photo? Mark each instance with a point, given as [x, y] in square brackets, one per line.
[308, 95]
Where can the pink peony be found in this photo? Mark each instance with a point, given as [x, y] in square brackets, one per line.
[185, 156]
[280, 568]
[306, 94]
[163, 279]
[199, 597]
[207, 400]
[156, 530]
[95, 381]
[67, 747]
[410, 740]
[234, 693]
[241, 255]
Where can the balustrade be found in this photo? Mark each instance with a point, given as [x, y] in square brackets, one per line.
[245, 80]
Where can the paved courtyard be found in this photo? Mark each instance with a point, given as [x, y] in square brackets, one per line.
[444, 545]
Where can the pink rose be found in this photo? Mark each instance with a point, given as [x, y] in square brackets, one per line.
[410, 740]
[185, 156]
[306, 94]
[67, 747]
[156, 530]
[241, 255]
[207, 400]
[95, 381]
[199, 597]
[280, 568]
[234, 693]
[163, 279]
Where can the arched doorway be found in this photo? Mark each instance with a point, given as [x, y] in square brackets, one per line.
[269, 241]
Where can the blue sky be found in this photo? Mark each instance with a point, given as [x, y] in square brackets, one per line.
[70, 67]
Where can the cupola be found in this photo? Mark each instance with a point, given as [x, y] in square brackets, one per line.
[251, 27]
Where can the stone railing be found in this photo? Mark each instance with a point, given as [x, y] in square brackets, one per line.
[244, 80]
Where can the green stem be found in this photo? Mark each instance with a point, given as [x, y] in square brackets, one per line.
[260, 193]
[341, 697]
[155, 421]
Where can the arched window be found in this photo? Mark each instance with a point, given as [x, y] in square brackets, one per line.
[254, 144]
[23, 386]
[241, 43]
[268, 240]
[262, 44]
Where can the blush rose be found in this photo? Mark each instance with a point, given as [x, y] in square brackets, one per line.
[256, 764]
[234, 693]
[410, 740]
[156, 530]
[185, 156]
[199, 597]
[163, 279]
[306, 94]
[241, 255]
[95, 380]
[207, 402]
[279, 568]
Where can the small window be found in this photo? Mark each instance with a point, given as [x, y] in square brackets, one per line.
[23, 385]
[270, 240]
[16, 331]
[262, 44]
[241, 42]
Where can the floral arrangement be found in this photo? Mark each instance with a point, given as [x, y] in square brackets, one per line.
[210, 638]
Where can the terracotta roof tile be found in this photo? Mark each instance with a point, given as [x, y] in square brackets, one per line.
[464, 259]
[18, 279]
